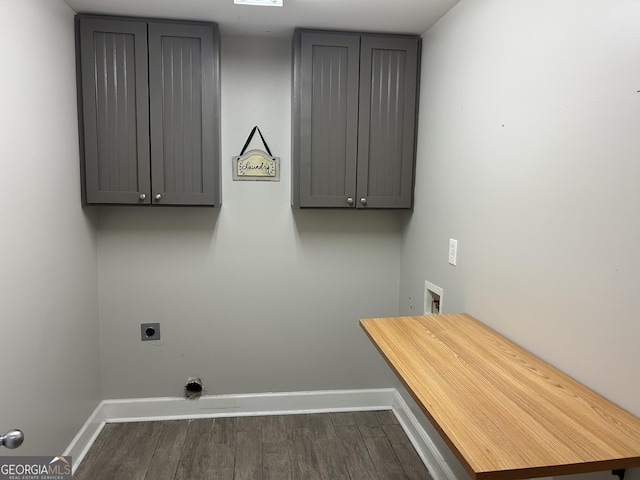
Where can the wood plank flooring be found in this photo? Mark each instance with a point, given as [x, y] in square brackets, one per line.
[326, 446]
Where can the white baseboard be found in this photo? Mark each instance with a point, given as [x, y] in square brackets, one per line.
[169, 408]
[149, 409]
[83, 440]
[431, 457]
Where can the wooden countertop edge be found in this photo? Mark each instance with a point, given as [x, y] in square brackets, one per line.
[555, 470]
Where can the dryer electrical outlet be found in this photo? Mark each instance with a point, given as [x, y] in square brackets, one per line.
[149, 331]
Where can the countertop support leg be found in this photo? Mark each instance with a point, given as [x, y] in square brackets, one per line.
[619, 472]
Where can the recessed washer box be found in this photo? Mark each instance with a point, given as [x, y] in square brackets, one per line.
[433, 296]
[149, 331]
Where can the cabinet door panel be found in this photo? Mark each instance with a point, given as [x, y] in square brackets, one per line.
[328, 119]
[388, 86]
[115, 111]
[185, 132]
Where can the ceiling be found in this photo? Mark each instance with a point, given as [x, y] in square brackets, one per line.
[385, 16]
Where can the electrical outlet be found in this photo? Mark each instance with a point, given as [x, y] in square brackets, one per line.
[149, 331]
[453, 251]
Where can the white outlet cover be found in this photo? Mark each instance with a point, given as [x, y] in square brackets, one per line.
[453, 251]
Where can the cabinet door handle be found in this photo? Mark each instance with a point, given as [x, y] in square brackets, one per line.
[350, 201]
[363, 201]
[142, 197]
[158, 197]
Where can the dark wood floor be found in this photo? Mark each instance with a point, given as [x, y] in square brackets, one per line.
[350, 446]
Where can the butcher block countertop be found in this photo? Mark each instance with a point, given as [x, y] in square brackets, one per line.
[505, 413]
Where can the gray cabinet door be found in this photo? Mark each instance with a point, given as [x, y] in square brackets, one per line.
[150, 111]
[386, 133]
[325, 119]
[184, 100]
[115, 111]
[354, 119]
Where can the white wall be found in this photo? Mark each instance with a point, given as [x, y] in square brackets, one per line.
[528, 155]
[49, 372]
[254, 296]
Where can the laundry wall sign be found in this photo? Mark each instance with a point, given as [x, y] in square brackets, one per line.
[256, 165]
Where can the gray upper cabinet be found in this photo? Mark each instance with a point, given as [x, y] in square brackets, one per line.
[150, 111]
[354, 119]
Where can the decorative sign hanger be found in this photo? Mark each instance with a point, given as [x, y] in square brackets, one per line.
[256, 164]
